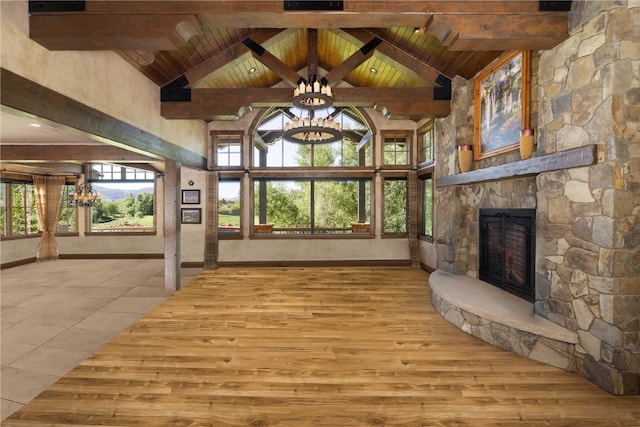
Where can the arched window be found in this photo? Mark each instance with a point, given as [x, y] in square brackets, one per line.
[272, 150]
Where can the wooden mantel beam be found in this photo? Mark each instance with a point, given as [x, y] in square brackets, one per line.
[160, 25]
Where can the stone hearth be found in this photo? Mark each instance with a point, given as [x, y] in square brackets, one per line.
[501, 319]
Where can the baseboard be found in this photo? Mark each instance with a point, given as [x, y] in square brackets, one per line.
[111, 256]
[17, 263]
[324, 263]
[426, 268]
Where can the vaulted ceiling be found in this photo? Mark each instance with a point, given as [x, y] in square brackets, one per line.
[216, 59]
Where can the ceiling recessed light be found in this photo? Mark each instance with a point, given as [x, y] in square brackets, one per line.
[252, 70]
[35, 125]
[373, 70]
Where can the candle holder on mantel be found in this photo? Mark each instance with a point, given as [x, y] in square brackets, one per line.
[465, 157]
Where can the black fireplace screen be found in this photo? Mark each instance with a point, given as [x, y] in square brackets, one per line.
[507, 250]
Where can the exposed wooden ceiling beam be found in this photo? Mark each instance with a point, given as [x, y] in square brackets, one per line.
[70, 152]
[470, 7]
[156, 25]
[212, 104]
[506, 32]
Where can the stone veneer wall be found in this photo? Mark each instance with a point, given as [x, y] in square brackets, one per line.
[588, 246]
[585, 91]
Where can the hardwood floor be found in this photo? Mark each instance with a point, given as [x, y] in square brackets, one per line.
[313, 347]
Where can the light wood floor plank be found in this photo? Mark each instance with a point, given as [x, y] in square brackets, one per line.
[313, 347]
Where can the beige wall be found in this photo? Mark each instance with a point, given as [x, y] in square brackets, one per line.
[101, 80]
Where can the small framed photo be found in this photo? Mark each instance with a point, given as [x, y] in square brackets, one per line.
[190, 197]
[191, 215]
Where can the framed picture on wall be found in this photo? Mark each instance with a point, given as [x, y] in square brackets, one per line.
[190, 197]
[191, 215]
[502, 96]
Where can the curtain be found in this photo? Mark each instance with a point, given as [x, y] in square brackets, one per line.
[211, 241]
[48, 196]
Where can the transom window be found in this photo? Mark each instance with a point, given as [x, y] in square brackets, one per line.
[396, 150]
[271, 150]
[227, 150]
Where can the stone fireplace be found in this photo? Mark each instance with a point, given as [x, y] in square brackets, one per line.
[507, 250]
[585, 95]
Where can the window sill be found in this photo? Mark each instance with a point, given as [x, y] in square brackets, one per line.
[120, 233]
[25, 236]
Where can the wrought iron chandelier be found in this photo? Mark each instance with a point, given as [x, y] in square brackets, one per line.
[312, 130]
[311, 96]
[84, 197]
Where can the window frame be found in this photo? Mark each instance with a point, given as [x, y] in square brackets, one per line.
[215, 138]
[423, 131]
[397, 135]
[89, 231]
[256, 163]
[8, 211]
[312, 178]
[424, 175]
[231, 235]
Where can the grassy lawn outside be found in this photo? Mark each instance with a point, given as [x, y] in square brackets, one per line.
[129, 222]
[229, 220]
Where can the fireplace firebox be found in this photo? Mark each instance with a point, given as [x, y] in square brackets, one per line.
[507, 250]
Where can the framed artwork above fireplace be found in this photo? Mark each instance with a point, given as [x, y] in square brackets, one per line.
[502, 94]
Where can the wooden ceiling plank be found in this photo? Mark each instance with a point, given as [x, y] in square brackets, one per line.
[351, 63]
[283, 71]
[197, 75]
[397, 54]
[69, 152]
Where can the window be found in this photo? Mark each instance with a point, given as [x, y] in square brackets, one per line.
[426, 226]
[227, 150]
[68, 221]
[229, 207]
[128, 199]
[396, 210]
[316, 206]
[271, 150]
[19, 214]
[425, 138]
[396, 150]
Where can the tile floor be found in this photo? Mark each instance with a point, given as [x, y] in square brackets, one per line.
[56, 314]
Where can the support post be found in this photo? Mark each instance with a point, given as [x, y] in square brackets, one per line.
[172, 257]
